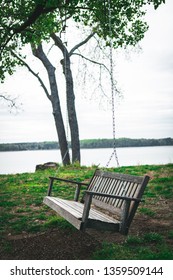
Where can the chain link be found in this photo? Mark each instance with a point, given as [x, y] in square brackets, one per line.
[114, 153]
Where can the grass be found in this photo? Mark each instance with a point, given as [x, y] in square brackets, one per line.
[147, 211]
[142, 251]
[22, 210]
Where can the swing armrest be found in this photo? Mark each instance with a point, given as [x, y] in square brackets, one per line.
[77, 192]
[68, 181]
[91, 193]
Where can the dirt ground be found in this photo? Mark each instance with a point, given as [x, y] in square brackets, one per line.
[57, 244]
[64, 244]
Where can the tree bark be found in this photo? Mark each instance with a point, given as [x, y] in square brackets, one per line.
[54, 98]
[73, 123]
[72, 118]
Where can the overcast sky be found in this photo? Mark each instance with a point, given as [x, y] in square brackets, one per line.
[146, 82]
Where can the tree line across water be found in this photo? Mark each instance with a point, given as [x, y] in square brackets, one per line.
[88, 144]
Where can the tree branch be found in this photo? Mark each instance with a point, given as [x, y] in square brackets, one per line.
[39, 10]
[81, 43]
[58, 42]
[93, 61]
[11, 101]
[35, 74]
[32, 18]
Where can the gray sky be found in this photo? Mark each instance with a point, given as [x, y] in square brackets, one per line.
[146, 82]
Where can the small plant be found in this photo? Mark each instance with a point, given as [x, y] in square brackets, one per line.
[59, 222]
[159, 253]
[170, 234]
[134, 240]
[153, 237]
[147, 211]
[111, 251]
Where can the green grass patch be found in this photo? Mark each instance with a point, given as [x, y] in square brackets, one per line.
[153, 237]
[136, 248]
[147, 211]
[22, 209]
[170, 234]
[55, 221]
[134, 240]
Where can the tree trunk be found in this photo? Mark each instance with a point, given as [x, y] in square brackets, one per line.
[72, 118]
[74, 130]
[54, 98]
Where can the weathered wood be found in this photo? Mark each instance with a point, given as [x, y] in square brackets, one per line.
[119, 176]
[103, 226]
[86, 210]
[50, 187]
[125, 213]
[74, 212]
[68, 181]
[77, 192]
[113, 196]
[134, 206]
[63, 211]
[118, 194]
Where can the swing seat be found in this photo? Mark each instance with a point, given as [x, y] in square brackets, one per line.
[109, 202]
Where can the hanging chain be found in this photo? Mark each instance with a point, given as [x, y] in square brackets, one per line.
[65, 74]
[65, 70]
[114, 153]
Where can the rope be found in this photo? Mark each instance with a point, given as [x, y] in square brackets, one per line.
[114, 153]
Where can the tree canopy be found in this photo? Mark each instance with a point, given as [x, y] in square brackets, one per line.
[32, 21]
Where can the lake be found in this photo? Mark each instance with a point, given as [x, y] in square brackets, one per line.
[26, 161]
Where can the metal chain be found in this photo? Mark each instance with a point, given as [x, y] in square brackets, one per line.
[65, 70]
[65, 74]
[114, 153]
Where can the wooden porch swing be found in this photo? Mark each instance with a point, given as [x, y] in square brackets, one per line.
[110, 200]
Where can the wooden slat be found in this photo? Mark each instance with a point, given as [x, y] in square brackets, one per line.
[96, 183]
[102, 186]
[133, 190]
[76, 209]
[114, 183]
[108, 190]
[125, 177]
[124, 192]
[62, 212]
[114, 190]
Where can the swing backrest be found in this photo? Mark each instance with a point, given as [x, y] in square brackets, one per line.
[122, 185]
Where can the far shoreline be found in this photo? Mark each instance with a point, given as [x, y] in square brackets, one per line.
[88, 144]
